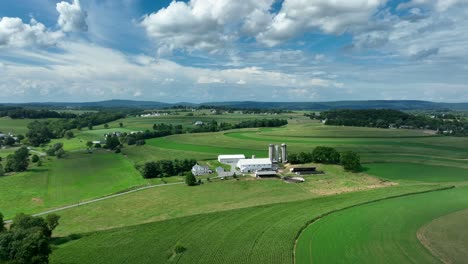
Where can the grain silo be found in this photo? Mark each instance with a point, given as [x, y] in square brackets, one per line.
[284, 153]
[271, 152]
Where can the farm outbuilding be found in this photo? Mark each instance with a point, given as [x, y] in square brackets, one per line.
[229, 159]
[249, 165]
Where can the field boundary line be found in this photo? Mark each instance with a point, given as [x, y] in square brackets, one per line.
[315, 219]
[99, 199]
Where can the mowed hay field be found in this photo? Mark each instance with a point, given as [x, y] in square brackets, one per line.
[263, 234]
[77, 177]
[447, 237]
[382, 232]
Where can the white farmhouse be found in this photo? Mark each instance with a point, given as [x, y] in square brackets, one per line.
[230, 159]
[250, 165]
[198, 170]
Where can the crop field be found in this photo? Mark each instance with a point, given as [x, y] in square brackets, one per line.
[447, 236]
[263, 234]
[66, 181]
[417, 172]
[383, 232]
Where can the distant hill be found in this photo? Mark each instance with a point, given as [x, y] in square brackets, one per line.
[371, 104]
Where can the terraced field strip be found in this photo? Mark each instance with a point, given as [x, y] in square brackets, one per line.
[263, 234]
[381, 232]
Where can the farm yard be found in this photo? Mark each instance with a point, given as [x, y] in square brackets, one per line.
[244, 220]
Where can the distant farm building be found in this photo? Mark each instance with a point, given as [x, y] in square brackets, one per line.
[230, 158]
[250, 165]
[220, 170]
[198, 170]
[198, 123]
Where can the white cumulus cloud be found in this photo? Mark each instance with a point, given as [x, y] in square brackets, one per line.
[14, 33]
[203, 24]
[72, 17]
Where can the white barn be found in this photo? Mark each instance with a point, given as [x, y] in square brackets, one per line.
[250, 165]
[230, 158]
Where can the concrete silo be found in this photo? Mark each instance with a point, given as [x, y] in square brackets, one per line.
[271, 152]
[277, 153]
[284, 153]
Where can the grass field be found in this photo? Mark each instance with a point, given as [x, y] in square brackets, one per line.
[65, 181]
[263, 234]
[15, 126]
[416, 172]
[382, 232]
[163, 203]
[446, 237]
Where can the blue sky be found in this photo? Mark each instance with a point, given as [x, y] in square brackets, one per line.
[223, 50]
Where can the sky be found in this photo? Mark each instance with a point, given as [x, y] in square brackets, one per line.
[224, 50]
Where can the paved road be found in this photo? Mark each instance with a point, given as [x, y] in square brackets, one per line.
[99, 199]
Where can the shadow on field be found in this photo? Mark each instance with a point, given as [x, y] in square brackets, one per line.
[57, 241]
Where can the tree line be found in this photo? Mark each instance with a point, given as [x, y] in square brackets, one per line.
[388, 118]
[350, 160]
[41, 132]
[166, 168]
[21, 113]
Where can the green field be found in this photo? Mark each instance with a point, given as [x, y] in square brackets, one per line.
[15, 126]
[415, 172]
[446, 237]
[75, 178]
[263, 234]
[246, 220]
[382, 232]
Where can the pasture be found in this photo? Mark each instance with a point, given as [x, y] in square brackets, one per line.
[382, 232]
[262, 234]
[59, 182]
[168, 202]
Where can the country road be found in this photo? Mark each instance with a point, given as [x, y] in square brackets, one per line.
[99, 199]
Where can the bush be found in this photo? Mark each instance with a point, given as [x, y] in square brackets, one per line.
[351, 161]
[34, 158]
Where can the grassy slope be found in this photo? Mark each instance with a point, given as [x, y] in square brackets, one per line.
[383, 232]
[447, 237]
[65, 181]
[167, 202]
[416, 172]
[262, 234]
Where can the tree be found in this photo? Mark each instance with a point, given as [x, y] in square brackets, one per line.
[351, 161]
[52, 221]
[89, 144]
[112, 142]
[69, 134]
[106, 126]
[2, 171]
[326, 155]
[120, 124]
[34, 158]
[131, 141]
[140, 142]
[9, 141]
[2, 225]
[18, 161]
[27, 240]
[90, 126]
[60, 153]
[190, 179]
